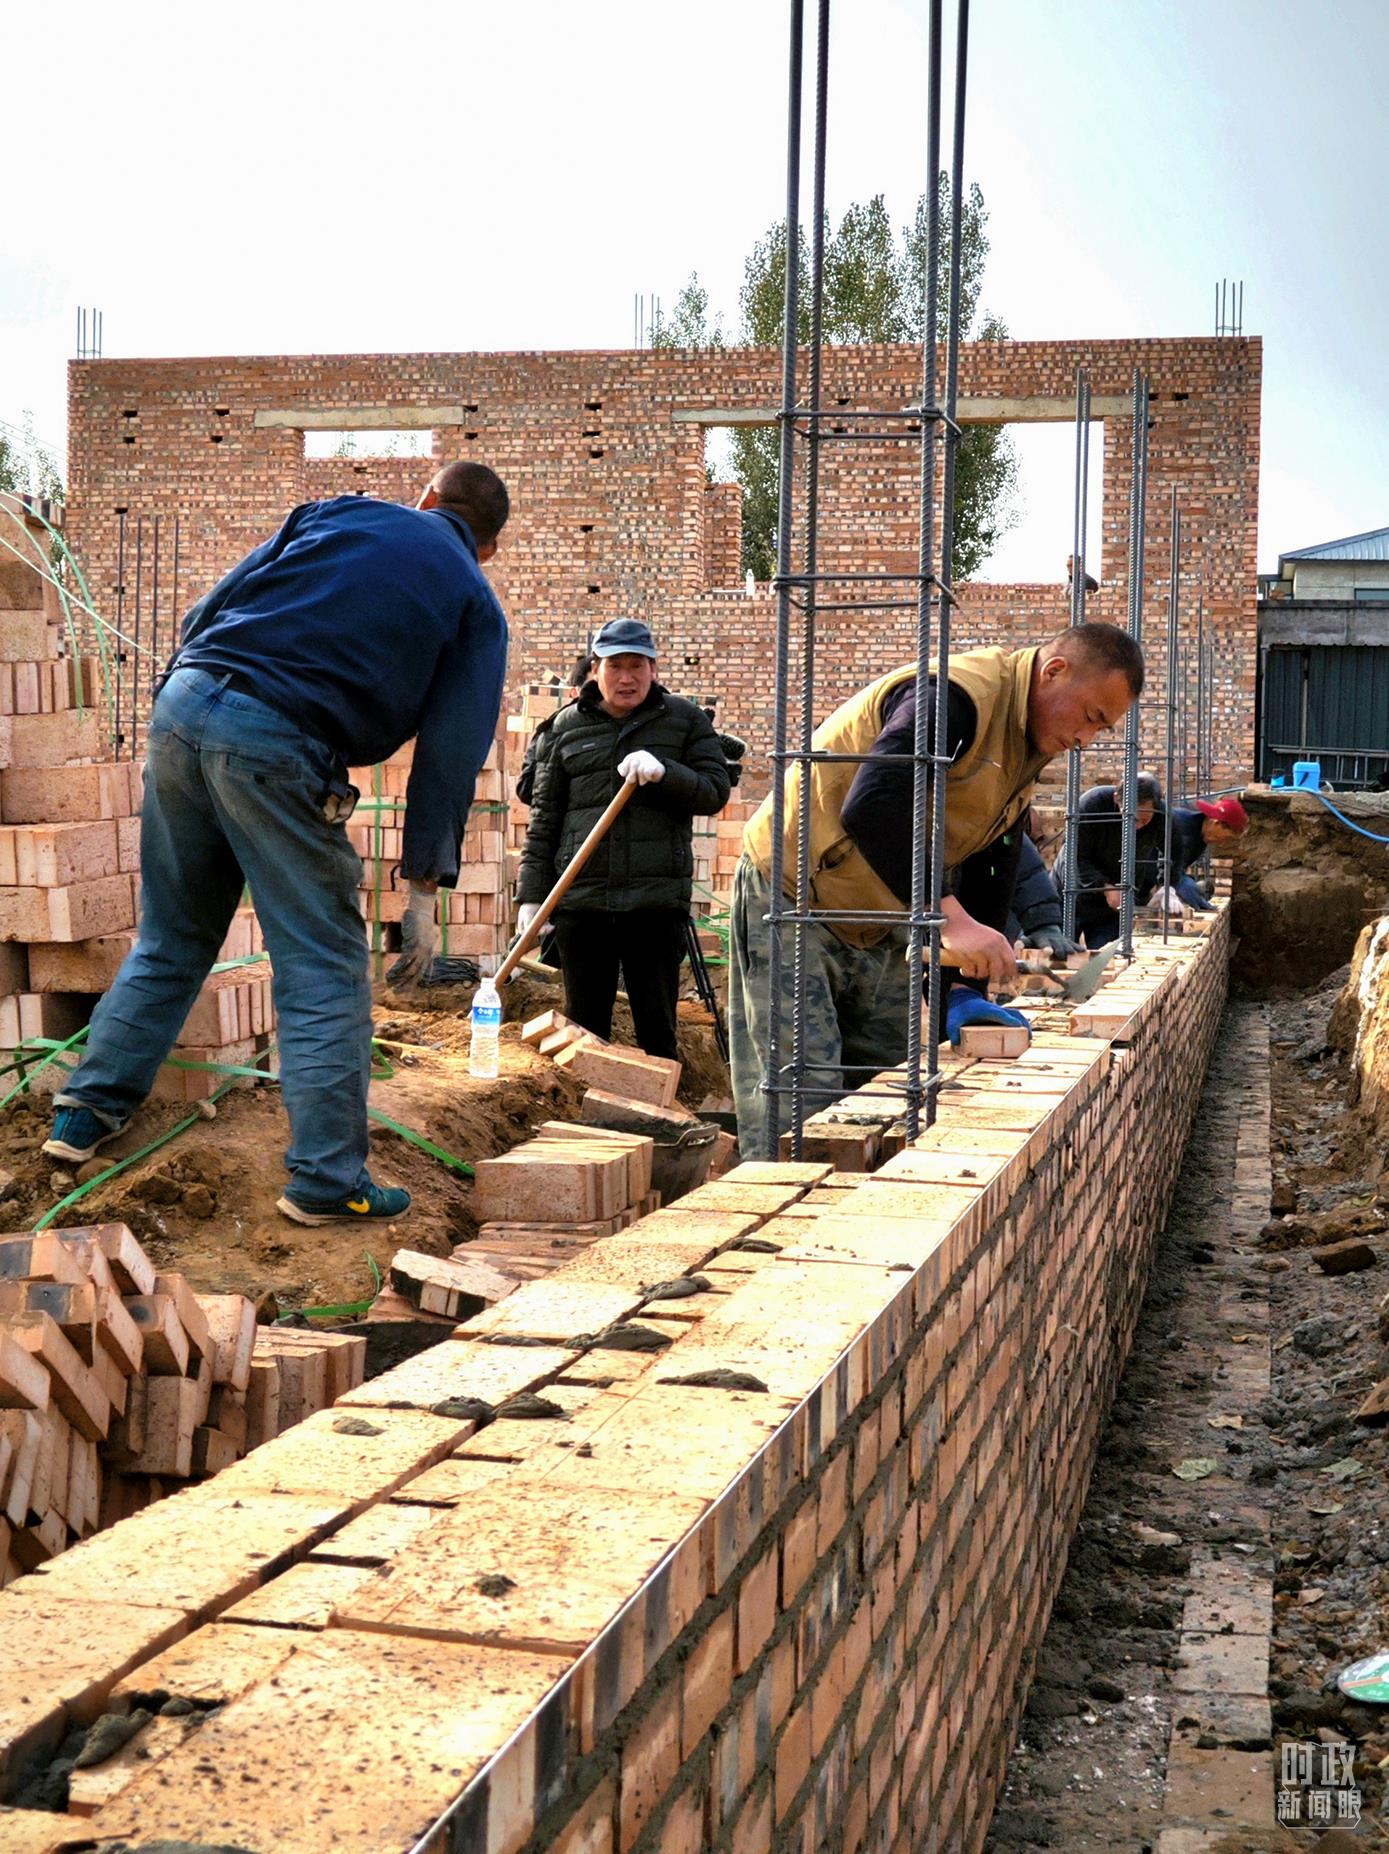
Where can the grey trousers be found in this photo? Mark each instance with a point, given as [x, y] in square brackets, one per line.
[855, 1019]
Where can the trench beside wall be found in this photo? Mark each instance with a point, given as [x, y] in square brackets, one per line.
[793, 1608]
[613, 516]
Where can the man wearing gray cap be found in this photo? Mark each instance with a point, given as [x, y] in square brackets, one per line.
[627, 910]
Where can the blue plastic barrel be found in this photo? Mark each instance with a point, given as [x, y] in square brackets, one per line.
[1307, 775]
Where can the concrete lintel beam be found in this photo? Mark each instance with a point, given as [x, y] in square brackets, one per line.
[1037, 409]
[358, 418]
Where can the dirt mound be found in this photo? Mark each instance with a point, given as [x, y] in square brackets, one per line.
[206, 1202]
[1305, 886]
[1359, 1025]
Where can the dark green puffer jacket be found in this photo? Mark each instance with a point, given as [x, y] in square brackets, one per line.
[646, 860]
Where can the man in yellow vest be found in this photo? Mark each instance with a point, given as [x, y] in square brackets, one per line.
[1009, 713]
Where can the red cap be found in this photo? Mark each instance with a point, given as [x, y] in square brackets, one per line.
[1227, 811]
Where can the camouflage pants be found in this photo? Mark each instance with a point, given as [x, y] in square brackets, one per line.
[856, 1004]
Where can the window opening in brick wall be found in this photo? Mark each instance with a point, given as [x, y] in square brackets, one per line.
[1034, 550]
[723, 525]
[321, 444]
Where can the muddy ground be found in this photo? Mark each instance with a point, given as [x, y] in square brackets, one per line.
[205, 1203]
[1088, 1769]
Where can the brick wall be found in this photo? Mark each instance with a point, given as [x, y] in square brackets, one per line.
[676, 1615]
[613, 514]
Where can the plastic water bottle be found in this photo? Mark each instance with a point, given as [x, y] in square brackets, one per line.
[483, 1059]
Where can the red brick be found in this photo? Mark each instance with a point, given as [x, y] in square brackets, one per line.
[833, 1502]
[707, 1681]
[590, 1831]
[650, 1761]
[757, 1608]
[792, 1758]
[797, 1550]
[682, 1832]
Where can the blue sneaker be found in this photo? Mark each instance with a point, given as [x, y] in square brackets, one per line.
[77, 1133]
[372, 1204]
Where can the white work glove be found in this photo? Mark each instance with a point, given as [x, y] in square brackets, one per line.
[1167, 901]
[640, 768]
[525, 914]
[419, 938]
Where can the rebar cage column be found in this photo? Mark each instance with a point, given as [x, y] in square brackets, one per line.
[1078, 573]
[1138, 492]
[1173, 620]
[931, 590]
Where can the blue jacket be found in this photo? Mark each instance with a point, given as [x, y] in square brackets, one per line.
[371, 624]
[1188, 840]
[1036, 903]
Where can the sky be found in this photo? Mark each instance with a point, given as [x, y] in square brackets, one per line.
[313, 178]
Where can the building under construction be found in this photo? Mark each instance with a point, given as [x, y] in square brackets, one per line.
[653, 1497]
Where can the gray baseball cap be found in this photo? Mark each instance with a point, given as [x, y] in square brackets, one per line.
[623, 637]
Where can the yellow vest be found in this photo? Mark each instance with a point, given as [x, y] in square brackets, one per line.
[986, 790]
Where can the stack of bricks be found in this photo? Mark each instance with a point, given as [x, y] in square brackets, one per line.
[536, 702]
[630, 1073]
[475, 915]
[70, 847]
[718, 843]
[69, 844]
[581, 1182]
[760, 1561]
[118, 1384]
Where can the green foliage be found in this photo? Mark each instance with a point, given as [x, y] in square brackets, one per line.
[28, 467]
[755, 467]
[874, 291]
[14, 474]
[986, 480]
[689, 325]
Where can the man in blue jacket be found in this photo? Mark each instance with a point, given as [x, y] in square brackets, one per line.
[359, 626]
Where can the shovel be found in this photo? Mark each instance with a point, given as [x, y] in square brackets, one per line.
[1079, 985]
[524, 942]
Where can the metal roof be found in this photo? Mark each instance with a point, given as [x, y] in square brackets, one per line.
[1371, 546]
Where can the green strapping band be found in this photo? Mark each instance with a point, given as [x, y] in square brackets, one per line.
[121, 1165]
[382, 1071]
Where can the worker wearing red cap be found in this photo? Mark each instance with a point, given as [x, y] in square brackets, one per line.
[1213, 824]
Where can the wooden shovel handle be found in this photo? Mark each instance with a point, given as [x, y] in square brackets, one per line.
[527, 940]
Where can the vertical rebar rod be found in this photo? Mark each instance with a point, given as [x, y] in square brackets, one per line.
[945, 592]
[154, 626]
[923, 787]
[1173, 604]
[120, 626]
[173, 594]
[812, 517]
[1200, 694]
[1129, 797]
[133, 648]
[1212, 777]
[1078, 526]
[771, 1080]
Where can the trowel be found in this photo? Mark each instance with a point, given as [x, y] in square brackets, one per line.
[1079, 985]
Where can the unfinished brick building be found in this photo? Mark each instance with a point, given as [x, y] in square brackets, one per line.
[613, 513]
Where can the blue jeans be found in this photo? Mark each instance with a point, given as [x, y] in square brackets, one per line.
[234, 795]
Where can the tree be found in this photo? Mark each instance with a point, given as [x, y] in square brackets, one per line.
[28, 467]
[689, 325]
[874, 290]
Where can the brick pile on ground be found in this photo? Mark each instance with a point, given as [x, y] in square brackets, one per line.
[613, 1068]
[70, 847]
[718, 843]
[119, 1383]
[475, 916]
[534, 702]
